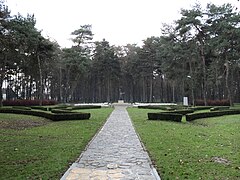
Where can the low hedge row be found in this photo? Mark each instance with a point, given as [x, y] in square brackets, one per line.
[40, 108]
[61, 111]
[165, 116]
[22, 107]
[191, 117]
[63, 106]
[156, 107]
[182, 112]
[219, 108]
[86, 107]
[197, 108]
[25, 102]
[54, 117]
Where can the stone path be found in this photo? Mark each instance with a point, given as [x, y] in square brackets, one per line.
[114, 153]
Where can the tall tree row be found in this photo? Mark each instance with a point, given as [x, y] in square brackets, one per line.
[24, 54]
[197, 56]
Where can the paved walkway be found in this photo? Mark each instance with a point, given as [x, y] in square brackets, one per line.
[114, 153]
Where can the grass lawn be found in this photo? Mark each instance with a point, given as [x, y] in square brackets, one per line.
[36, 148]
[203, 149]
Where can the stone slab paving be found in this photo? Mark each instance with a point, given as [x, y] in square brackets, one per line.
[114, 153]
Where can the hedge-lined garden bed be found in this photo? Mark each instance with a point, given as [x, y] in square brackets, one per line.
[186, 151]
[36, 148]
[55, 112]
[165, 116]
[193, 116]
[176, 115]
[52, 116]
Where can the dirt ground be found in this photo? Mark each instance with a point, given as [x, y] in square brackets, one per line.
[21, 124]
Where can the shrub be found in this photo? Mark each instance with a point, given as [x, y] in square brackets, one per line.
[25, 102]
[190, 117]
[223, 102]
[54, 117]
[165, 116]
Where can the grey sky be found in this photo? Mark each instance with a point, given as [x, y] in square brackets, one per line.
[118, 21]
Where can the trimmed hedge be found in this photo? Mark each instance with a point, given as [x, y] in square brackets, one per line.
[25, 102]
[86, 107]
[156, 107]
[22, 107]
[40, 108]
[61, 111]
[182, 112]
[165, 116]
[59, 107]
[219, 108]
[53, 117]
[191, 117]
[197, 108]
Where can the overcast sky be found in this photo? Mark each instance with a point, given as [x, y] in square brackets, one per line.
[118, 21]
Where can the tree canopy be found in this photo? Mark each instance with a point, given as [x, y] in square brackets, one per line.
[196, 56]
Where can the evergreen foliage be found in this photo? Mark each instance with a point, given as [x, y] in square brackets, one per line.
[197, 56]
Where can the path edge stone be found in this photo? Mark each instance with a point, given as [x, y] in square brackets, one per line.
[154, 171]
[74, 164]
[68, 171]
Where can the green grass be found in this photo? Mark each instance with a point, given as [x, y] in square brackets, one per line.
[46, 151]
[186, 150]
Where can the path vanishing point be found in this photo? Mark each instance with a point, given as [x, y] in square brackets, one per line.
[114, 153]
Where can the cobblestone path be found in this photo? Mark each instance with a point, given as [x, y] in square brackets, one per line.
[114, 153]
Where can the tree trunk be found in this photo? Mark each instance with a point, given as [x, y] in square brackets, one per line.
[173, 92]
[73, 87]
[30, 87]
[143, 90]
[131, 92]
[191, 79]
[66, 99]
[204, 75]
[3, 71]
[1, 91]
[41, 81]
[151, 89]
[227, 83]
[100, 92]
[108, 89]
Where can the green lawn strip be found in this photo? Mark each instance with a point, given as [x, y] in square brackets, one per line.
[236, 106]
[187, 150]
[45, 152]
